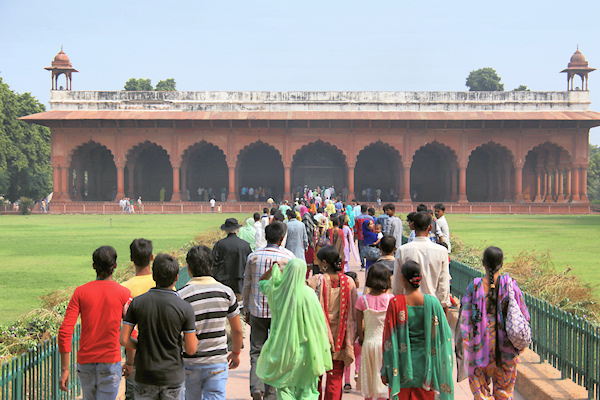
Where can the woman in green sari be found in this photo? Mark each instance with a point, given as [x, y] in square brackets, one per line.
[297, 351]
[417, 343]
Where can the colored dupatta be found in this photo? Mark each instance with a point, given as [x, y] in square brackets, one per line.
[397, 361]
[474, 321]
[297, 350]
[344, 302]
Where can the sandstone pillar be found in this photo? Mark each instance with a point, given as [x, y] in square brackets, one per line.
[561, 186]
[232, 192]
[406, 184]
[176, 197]
[350, 183]
[120, 182]
[568, 185]
[183, 184]
[538, 188]
[56, 188]
[583, 184]
[575, 185]
[519, 183]
[64, 183]
[462, 184]
[287, 195]
[130, 181]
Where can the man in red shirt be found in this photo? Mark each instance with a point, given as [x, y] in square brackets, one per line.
[102, 304]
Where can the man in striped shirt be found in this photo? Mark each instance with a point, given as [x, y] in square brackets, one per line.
[256, 303]
[213, 304]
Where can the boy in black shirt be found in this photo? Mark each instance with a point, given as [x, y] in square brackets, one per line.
[161, 316]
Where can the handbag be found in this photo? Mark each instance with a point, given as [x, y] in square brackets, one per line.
[324, 240]
[517, 327]
[371, 253]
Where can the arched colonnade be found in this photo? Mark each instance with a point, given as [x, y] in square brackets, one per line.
[434, 171]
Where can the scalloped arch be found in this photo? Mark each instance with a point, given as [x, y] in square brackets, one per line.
[380, 143]
[319, 142]
[256, 145]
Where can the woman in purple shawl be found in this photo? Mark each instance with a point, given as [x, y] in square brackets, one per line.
[489, 354]
[369, 237]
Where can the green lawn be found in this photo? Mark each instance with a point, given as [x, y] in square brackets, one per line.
[571, 239]
[42, 253]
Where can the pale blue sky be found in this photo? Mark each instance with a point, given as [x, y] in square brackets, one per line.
[298, 45]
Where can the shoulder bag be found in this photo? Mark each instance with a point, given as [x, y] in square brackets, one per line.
[516, 326]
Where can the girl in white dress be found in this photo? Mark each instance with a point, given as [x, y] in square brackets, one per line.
[372, 308]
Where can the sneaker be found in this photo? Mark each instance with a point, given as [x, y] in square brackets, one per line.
[347, 388]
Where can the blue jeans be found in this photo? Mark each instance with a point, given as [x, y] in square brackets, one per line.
[99, 380]
[143, 391]
[206, 382]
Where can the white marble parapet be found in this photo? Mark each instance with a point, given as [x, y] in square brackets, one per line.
[319, 101]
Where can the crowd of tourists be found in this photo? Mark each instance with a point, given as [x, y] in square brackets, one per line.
[285, 273]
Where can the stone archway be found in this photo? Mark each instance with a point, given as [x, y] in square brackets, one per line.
[490, 174]
[378, 168]
[260, 167]
[148, 170]
[319, 164]
[546, 174]
[93, 174]
[204, 173]
[433, 174]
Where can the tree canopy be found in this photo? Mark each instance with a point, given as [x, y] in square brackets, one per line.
[484, 80]
[145, 85]
[24, 148]
[521, 88]
[138, 85]
[593, 175]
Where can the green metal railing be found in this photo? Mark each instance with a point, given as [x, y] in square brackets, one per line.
[570, 344]
[35, 373]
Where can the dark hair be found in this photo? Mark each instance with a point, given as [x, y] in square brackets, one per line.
[290, 214]
[200, 261]
[331, 256]
[105, 261]
[492, 261]
[440, 206]
[389, 206]
[274, 232]
[411, 270]
[421, 221]
[164, 270]
[354, 277]
[363, 208]
[256, 216]
[421, 207]
[320, 210]
[387, 244]
[278, 216]
[410, 217]
[141, 252]
[266, 210]
[371, 211]
[274, 210]
[378, 277]
[335, 221]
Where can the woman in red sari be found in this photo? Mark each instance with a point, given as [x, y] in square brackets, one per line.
[337, 295]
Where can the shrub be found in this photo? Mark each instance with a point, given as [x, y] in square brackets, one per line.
[26, 205]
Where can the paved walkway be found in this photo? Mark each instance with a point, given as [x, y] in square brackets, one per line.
[238, 382]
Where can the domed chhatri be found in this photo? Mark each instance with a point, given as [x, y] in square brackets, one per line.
[578, 66]
[61, 65]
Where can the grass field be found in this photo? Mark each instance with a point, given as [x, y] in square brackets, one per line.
[42, 253]
[570, 239]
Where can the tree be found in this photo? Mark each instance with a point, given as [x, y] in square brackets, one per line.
[521, 88]
[139, 85]
[24, 148]
[168, 85]
[593, 175]
[484, 80]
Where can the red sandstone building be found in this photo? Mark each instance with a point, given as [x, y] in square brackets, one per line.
[476, 148]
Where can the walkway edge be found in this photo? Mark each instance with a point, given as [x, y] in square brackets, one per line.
[539, 381]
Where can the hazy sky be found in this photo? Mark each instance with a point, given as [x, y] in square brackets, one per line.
[298, 45]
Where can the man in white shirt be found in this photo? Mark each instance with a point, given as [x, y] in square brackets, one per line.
[432, 258]
[439, 210]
